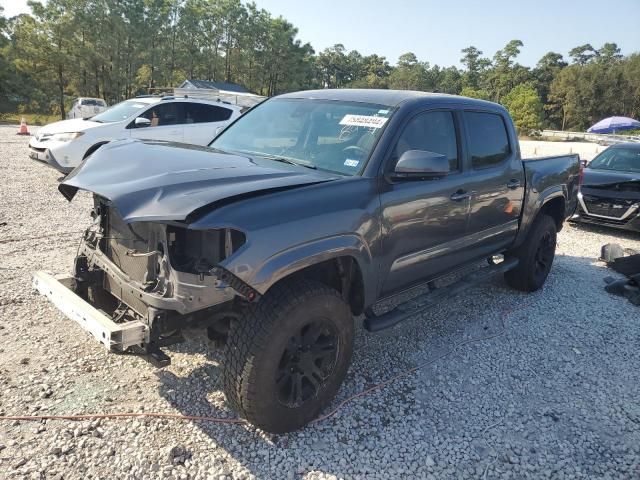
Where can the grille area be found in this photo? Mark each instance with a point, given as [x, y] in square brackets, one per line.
[607, 207]
[126, 242]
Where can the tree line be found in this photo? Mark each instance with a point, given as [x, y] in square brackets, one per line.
[116, 49]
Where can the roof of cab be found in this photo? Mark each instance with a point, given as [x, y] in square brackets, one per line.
[391, 98]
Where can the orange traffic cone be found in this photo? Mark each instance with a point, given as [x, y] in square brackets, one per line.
[23, 127]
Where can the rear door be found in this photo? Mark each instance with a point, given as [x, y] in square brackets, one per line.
[203, 120]
[167, 123]
[496, 182]
[423, 219]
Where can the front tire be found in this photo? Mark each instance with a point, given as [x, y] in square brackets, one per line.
[535, 256]
[286, 359]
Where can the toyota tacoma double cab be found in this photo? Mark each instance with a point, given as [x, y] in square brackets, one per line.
[302, 215]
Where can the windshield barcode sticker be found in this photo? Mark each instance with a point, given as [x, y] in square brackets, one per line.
[363, 121]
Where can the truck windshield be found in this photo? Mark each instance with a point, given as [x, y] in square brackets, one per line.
[328, 135]
[120, 111]
[620, 159]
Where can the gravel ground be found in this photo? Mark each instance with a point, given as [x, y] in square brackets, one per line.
[555, 396]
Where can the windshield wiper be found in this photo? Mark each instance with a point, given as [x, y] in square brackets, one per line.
[276, 158]
[290, 162]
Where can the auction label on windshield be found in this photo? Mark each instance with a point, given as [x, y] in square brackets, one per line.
[363, 121]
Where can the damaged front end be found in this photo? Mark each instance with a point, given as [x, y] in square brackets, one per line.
[143, 260]
[157, 276]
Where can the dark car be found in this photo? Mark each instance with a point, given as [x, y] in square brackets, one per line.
[610, 193]
[310, 209]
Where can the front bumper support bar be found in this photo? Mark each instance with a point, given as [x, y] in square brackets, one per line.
[114, 336]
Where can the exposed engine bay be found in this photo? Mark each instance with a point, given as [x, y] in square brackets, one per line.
[162, 274]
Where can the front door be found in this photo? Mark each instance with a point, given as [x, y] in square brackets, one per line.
[423, 219]
[167, 123]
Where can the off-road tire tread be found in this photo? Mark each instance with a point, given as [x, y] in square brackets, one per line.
[520, 277]
[251, 334]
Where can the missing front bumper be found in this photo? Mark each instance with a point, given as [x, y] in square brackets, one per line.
[114, 336]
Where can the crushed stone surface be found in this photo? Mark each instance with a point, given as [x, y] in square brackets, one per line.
[556, 396]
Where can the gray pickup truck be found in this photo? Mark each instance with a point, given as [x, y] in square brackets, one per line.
[303, 214]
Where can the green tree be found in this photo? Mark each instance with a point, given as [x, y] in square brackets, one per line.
[582, 54]
[448, 80]
[375, 71]
[332, 64]
[631, 72]
[525, 108]
[506, 73]
[4, 63]
[120, 48]
[475, 93]
[409, 74]
[504, 58]
[547, 69]
[587, 91]
[44, 43]
[475, 67]
[609, 53]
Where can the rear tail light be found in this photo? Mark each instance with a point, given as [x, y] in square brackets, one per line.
[581, 174]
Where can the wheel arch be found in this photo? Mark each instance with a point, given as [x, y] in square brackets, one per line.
[342, 263]
[550, 201]
[93, 148]
[555, 207]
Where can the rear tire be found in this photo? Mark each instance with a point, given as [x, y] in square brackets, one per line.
[535, 256]
[286, 359]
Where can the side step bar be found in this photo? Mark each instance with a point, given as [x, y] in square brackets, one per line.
[375, 323]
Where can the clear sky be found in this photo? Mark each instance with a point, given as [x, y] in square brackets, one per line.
[436, 30]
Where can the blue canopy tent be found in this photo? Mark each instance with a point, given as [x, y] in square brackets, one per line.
[614, 124]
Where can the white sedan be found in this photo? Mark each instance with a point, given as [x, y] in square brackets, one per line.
[64, 144]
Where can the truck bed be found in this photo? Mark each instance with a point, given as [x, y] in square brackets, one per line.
[553, 178]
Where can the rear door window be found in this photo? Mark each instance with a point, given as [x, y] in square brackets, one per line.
[488, 139]
[203, 113]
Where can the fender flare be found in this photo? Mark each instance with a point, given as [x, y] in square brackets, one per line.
[534, 206]
[298, 257]
[550, 193]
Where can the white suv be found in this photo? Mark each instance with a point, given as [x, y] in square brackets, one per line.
[64, 144]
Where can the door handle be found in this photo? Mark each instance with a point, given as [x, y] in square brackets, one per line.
[460, 195]
[513, 184]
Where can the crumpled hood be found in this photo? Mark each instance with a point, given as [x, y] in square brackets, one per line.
[155, 180]
[611, 183]
[608, 177]
[68, 126]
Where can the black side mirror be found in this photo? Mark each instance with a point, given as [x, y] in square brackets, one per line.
[421, 164]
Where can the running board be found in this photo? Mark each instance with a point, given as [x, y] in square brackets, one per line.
[375, 323]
